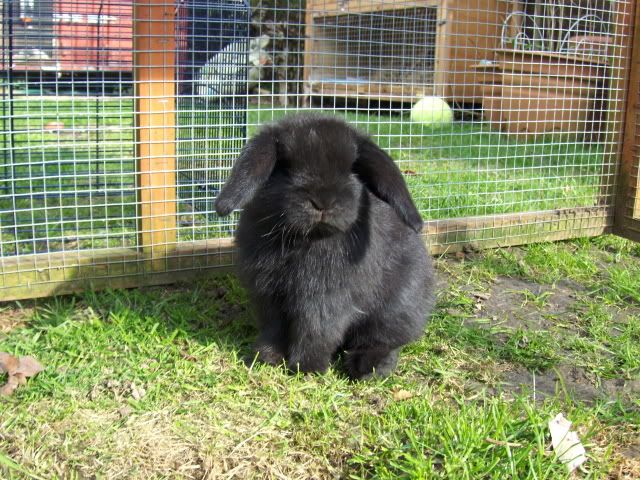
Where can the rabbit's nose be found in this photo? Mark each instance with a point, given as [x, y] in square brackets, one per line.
[322, 202]
[323, 199]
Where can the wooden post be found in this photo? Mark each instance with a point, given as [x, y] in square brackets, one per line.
[627, 215]
[442, 65]
[155, 80]
[615, 97]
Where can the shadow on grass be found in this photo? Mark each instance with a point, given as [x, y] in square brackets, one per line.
[214, 311]
[162, 337]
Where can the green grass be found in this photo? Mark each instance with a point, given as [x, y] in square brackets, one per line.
[557, 313]
[459, 170]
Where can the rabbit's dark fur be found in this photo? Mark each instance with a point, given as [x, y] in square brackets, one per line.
[329, 247]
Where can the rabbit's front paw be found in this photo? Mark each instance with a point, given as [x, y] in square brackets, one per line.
[363, 365]
[309, 363]
[269, 354]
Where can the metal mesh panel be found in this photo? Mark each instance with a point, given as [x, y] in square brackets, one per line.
[634, 140]
[493, 161]
[67, 163]
[213, 56]
[535, 89]
[118, 133]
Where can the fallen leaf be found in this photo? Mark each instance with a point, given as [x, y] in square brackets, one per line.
[20, 379]
[566, 443]
[8, 363]
[8, 388]
[29, 367]
[410, 172]
[400, 395]
[17, 370]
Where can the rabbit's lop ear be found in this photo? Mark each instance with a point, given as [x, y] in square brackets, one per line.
[252, 168]
[383, 178]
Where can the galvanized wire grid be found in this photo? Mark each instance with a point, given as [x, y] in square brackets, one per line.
[212, 69]
[502, 159]
[67, 155]
[536, 90]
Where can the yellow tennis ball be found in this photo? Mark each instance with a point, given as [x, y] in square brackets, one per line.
[432, 111]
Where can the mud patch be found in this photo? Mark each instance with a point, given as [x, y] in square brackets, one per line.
[566, 381]
[509, 305]
[515, 303]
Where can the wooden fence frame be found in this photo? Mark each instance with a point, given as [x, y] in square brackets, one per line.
[160, 260]
[43, 275]
[627, 213]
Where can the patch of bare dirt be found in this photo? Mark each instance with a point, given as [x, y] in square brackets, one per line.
[568, 380]
[633, 451]
[517, 303]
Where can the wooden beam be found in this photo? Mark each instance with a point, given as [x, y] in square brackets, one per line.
[42, 275]
[492, 231]
[341, 7]
[48, 274]
[155, 77]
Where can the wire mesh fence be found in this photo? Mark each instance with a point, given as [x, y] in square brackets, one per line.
[121, 120]
[67, 161]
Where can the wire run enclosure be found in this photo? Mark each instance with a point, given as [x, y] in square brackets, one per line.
[121, 120]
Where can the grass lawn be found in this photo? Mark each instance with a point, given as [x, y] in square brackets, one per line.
[149, 383]
[86, 168]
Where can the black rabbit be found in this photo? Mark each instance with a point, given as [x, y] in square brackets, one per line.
[329, 247]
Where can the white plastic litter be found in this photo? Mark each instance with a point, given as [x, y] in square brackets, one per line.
[566, 443]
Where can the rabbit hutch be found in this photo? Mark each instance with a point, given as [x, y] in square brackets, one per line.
[399, 51]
